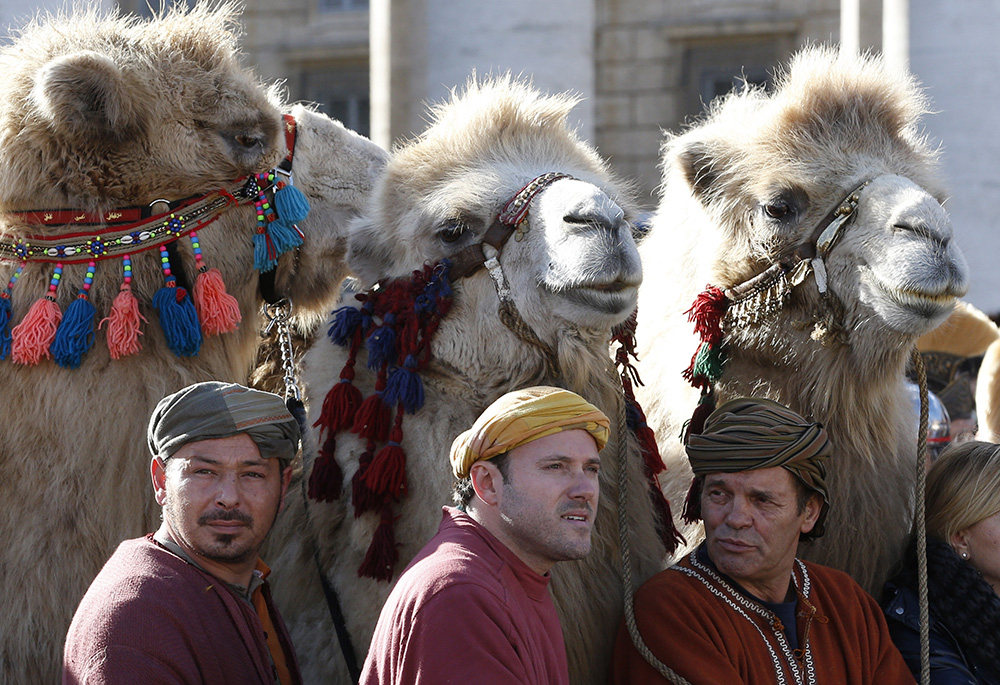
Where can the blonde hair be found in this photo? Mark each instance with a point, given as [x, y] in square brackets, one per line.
[963, 488]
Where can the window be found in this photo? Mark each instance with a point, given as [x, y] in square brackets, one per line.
[342, 5]
[341, 92]
[715, 67]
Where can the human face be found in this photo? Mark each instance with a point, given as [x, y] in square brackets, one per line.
[752, 527]
[981, 541]
[545, 507]
[220, 499]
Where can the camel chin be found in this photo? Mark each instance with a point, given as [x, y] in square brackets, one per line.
[907, 309]
[598, 306]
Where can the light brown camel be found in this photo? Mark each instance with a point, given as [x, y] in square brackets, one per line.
[98, 114]
[572, 270]
[754, 184]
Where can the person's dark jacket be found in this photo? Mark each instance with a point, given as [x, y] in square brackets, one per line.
[963, 607]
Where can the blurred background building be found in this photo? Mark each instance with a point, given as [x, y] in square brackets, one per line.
[641, 67]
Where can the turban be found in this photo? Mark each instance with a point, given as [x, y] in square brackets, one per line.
[750, 433]
[206, 411]
[522, 416]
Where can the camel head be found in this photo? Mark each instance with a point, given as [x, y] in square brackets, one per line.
[571, 262]
[764, 171]
[100, 113]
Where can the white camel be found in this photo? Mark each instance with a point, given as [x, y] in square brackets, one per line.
[572, 269]
[829, 331]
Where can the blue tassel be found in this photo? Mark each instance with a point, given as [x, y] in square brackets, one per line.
[5, 337]
[381, 343]
[285, 235]
[405, 386]
[178, 319]
[345, 322]
[291, 204]
[75, 334]
[265, 257]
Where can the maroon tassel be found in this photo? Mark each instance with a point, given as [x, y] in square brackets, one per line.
[382, 553]
[706, 405]
[340, 406]
[362, 497]
[669, 535]
[326, 479]
[692, 504]
[373, 420]
[386, 476]
[649, 449]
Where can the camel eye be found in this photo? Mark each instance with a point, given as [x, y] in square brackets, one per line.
[777, 209]
[453, 230]
[247, 142]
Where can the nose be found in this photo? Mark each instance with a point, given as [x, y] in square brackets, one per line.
[601, 215]
[738, 514]
[584, 487]
[228, 495]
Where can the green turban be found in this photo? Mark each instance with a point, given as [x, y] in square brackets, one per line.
[210, 410]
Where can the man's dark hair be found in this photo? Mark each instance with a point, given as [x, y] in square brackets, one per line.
[462, 490]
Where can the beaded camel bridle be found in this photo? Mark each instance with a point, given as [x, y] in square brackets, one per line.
[91, 237]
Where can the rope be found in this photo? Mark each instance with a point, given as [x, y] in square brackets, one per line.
[919, 522]
[627, 587]
[511, 318]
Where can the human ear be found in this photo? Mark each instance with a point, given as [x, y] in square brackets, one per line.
[812, 510]
[486, 481]
[158, 474]
[960, 543]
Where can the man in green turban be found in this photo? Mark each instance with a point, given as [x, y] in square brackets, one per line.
[190, 603]
[473, 606]
[741, 608]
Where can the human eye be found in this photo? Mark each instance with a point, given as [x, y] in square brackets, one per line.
[593, 468]
[255, 475]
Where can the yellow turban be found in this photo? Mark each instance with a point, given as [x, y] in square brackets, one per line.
[522, 416]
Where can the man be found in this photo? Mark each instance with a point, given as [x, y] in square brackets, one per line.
[190, 603]
[473, 606]
[742, 608]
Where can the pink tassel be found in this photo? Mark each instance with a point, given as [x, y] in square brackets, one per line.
[218, 310]
[33, 337]
[123, 324]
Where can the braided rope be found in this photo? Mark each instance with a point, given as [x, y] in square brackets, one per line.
[511, 318]
[627, 586]
[919, 522]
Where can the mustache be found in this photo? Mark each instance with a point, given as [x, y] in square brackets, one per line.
[565, 509]
[220, 515]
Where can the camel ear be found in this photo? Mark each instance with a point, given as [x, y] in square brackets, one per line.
[85, 95]
[698, 162]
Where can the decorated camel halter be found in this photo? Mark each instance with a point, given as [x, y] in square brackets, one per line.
[754, 301]
[94, 237]
[396, 321]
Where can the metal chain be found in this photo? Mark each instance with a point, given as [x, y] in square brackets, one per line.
[279, 314]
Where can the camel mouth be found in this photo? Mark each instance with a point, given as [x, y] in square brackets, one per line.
[925, 304]
[611, 298]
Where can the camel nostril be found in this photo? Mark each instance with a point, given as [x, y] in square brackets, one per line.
[594, 220]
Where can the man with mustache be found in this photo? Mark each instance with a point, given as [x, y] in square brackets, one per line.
[190, 603]
[741, 608]
[473, 606]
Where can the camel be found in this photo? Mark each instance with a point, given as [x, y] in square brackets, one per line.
[100, 114]
[573, 270]
[829, 330]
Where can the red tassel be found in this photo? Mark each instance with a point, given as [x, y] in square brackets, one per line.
[326, 479]
[706, 405]
[340, 406]
[669, 535]
[218, 311]
[373, 419]
[33, 337]
[707, 313]
[692, 504]
[362, 497]
[382, 553]
[123, 324]
[386, 476]
[649, 449]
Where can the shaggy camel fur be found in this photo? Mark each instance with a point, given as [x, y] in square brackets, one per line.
[96, 113]
[742, 190]
[573, 275]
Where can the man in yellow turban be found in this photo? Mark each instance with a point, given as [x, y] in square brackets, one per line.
[742, 608]
[527, 493]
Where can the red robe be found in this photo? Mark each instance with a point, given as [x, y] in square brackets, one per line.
[150, 617]
[707, 632]
[467, 610]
